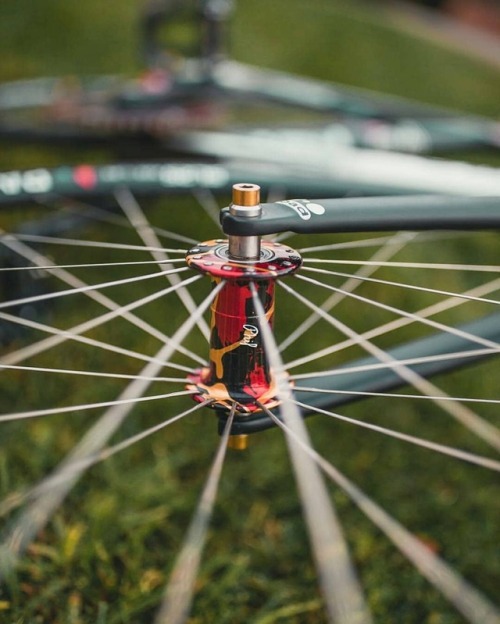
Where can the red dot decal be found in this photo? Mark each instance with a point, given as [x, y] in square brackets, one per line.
[85, 176]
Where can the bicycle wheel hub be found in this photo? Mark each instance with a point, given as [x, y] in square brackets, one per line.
[239, 372]
[213, 258]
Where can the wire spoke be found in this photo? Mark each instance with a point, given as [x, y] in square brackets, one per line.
[128, 442]
[89, 265]
[401, 322]
[435, 291]
[138, 219]
[52, 411]
[283, 236]
[58, 484]
[379, 240]
[84, 373]
[412, 265]
[53, 240]
[396, 395]
[431, 310]
[180, 589]
[358, 244]
[207, 201]
[393, 245]
[472, 458]
[466, 599]
[89, 287]
[105, 216]
[59, 336]
[343, 596]
[484, 430]
[435, 324]
[12, 502]
[347, 370]
[102, 299]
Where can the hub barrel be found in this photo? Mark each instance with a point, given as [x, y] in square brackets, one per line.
[238, 365]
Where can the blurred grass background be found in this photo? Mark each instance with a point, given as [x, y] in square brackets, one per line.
[107, 554]
[347, 41]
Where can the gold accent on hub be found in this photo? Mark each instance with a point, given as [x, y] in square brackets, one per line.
[238, 442]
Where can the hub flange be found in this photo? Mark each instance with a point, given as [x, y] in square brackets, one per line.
[212, 257]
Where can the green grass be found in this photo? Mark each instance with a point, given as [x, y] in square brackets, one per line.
[107, 554]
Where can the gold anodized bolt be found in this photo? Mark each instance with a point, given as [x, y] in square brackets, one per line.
[246, 194]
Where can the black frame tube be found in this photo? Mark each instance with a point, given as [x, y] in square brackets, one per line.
[369, 214]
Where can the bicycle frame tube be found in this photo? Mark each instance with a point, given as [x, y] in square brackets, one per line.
[369, 214]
